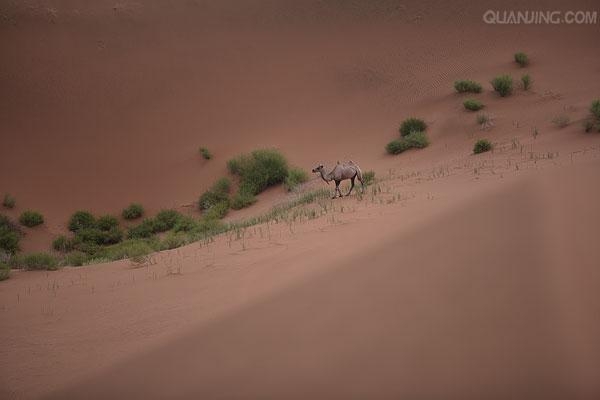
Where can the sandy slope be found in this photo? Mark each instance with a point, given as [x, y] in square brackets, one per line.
[467, 276]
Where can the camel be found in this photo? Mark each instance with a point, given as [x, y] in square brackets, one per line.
[347, 170]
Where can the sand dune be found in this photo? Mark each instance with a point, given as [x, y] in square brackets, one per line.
[462, 277]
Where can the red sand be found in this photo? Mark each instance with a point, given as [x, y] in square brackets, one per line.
[477, 280]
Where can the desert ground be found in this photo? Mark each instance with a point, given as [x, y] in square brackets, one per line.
[454, 276]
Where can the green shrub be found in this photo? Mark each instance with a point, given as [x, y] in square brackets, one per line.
[481, 146]
[218, 193]
[8, 201]
[206, 154]
[174, 240]
[4, 271]
[595, 109]
[295, 177]
[9, 235]
[411, 125]
[416, 140]
[99, 237]
[396, 146]
[218, 211]
[473, 105]
[81, 220]
[561, 120]
[467, 86]
[76, 258]
[242, 200]
[107, 222]
[31, 218]
[368, 177]
[526, 81]
[503, 84]
[143, 230]
[129, 248]
[259, 170]
[33, 261]
[63, 244]
[133, 211]
[521, 59]
[165, 220]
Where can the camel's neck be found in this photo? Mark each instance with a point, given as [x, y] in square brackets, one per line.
[325, 176]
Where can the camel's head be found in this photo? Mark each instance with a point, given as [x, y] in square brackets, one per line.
[318, 168]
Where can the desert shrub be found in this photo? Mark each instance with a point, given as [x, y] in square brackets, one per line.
[129, 248]
[81, 220]
[76, 258]
[8, 201]
[411, 125]
[9, 235]
[396, 146]
[184, 224]
[521, 59]
[63, 244]
[218, 211]
[165, 220]
[482, 118]
[503, 84]
[218, 193]
[481, 146]
[259, 170]
[526, 81]
[467, 86]
[595, 109]
[368, 177]
[31, 218]
[205, 153]
[4, 271]
[107, 222]
[144, 229]
[98, 236]
[591, 125]
[241, 200]
[295, 177]
[133, 211]
[40, 261]
[561, 121]
[173, 240]
[473, 105]
[416, 140]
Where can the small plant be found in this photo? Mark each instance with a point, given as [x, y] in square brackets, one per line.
[411, 125]
[526, 81]
[39, 261]
[144, 229]
[166, 220]
[396, 146]
[482, 146]
[81, 220]
[296, 176]
[368, 177]
[417, 140]
[31, 218]
[133, 211]
[206, 154]
[521, 59]
[467, 86]
[483, 119]
[4, 271]
[8, 201]
[503, 84]
[218, 193]
[63, 244]
[107, 222]
[593, 122]
[218, 211]
[561, 121]
[242, 200]
[595, 109]
[259, 170]
[9, 236]
[473, 105]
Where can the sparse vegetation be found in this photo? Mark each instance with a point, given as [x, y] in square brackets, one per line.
[411, 125]
[473, 105]
[31, 218]
[63, 244]
[503, 84]
[526, 81]
[368, 177]
[9, 235]
[33, 261]
[81, 220]
[206, 154]
[107, 222]
[482, 146]
[8, 201]
[561, 120]
[483, 119]
[218, 194]
[133, 211]
[467, 86]
[416, 140]
[241, 200]
[4, 271]
[595, 109]
[295, 177]
[521, 59]
[593, 122]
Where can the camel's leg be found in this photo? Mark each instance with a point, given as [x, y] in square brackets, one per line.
[351, 186]
[337, 190]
